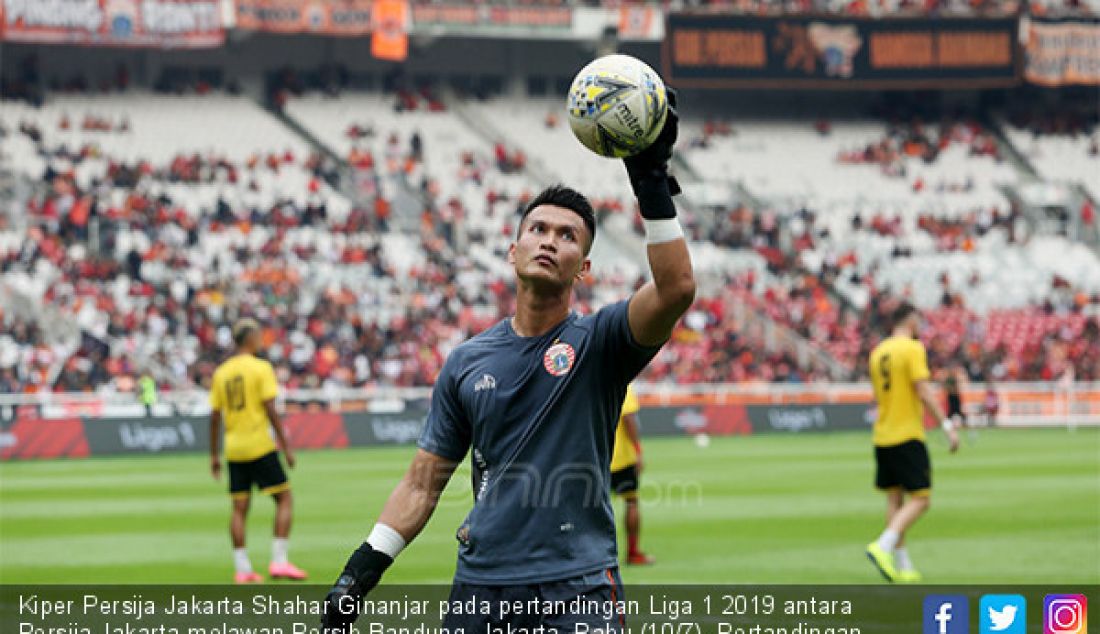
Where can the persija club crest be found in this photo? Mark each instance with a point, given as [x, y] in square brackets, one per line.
[559, 358]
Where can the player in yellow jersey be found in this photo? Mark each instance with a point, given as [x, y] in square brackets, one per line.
[626, 468]
[242, 395]
[901, 380]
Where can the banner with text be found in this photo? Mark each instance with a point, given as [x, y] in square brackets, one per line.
[78, 433]
[122, 23]
[496, 16]
[30, 437]
[740, 419]
[665, 608]
[732, 51]
[1062, 52]
[336, 17]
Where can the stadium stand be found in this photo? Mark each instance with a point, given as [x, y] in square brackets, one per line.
[1062, 145]
[200, 219]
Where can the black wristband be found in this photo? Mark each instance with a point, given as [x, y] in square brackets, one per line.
[655, 199]
[366, 566]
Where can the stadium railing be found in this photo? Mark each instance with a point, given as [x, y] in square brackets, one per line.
[1019, 404]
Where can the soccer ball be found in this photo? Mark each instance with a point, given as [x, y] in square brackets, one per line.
[617, 106]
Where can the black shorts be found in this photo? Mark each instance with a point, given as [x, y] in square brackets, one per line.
[625, 480]
[906, 466]
[954, 406]
[605, 588]
[265, 472]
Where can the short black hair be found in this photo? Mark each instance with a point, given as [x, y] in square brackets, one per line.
[568, 198]
[242, 329]
[901, 313]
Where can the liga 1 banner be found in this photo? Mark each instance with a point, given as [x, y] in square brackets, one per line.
[331, 17]
[32, 432]
[1062, 52]
[79, 437]
[705, 50]
[502, 16]
[122, 23]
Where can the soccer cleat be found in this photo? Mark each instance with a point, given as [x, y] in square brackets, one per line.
[909, 576]
[286, 571]
[882, 560]
[247, 577]
[639, 559]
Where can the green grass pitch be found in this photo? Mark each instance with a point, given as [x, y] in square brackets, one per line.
[1016, 506]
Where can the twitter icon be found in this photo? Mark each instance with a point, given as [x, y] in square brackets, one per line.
[1003, 614]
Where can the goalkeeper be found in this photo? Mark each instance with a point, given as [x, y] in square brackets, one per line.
[535, 400]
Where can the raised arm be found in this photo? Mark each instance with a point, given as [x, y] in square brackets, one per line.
[659, 304]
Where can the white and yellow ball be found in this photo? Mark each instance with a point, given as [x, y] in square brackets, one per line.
[617, 106]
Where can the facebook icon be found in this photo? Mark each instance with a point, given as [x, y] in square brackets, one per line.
[946, 614]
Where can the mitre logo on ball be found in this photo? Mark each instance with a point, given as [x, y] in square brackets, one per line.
[617, 106]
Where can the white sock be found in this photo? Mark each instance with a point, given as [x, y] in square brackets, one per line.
[889, 539]
[241, 561]
[901, 558]
[279, 550]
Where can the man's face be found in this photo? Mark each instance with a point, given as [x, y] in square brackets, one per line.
[549, 250]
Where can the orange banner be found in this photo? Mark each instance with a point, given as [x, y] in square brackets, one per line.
[636, 21]
[330, 17]
[1061, 53]
[390, 39]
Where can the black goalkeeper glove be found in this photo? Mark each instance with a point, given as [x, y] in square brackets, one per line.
[648, 170]
[361, 574]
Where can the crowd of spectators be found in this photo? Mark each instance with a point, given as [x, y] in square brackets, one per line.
[1012, 344]
[917, 140]
[873, 8]
[1046, 342]
[1065, 120]
[159, 298]
[25, 356]
[955, 232]
[712, 346]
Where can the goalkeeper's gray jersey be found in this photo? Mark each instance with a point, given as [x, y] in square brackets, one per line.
[539, 414]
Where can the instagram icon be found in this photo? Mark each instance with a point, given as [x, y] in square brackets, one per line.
[1065, 614]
